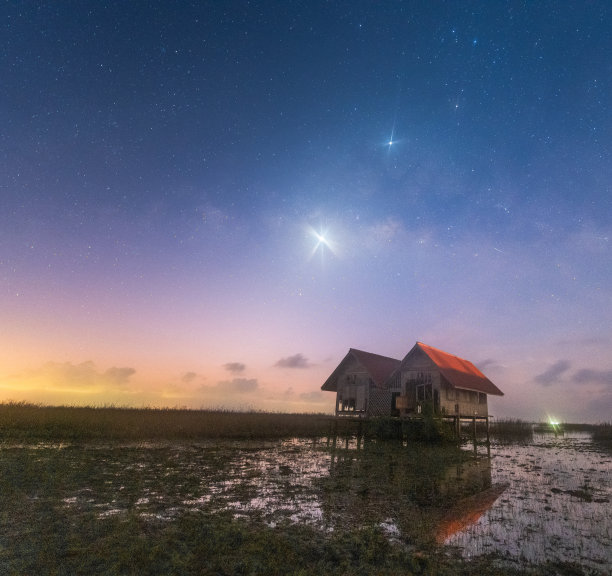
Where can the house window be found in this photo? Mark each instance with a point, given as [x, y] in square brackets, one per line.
[424, 392]
[482, 398]
[450, 394]
[348, 404]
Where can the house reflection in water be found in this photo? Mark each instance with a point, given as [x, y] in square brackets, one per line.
[467, 511]
[425, 492]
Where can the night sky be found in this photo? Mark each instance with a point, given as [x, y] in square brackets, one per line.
[207, 204]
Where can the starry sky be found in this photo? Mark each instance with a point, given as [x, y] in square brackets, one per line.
[206, 204]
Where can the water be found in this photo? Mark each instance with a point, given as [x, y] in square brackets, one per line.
[545, 501]
[556, 506]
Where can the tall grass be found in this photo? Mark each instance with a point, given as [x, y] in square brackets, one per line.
[603, 434]
[511, 430]
[25, 422]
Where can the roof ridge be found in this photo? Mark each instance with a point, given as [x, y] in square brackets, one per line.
[442, 351]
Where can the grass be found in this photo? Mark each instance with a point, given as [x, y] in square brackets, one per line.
[90, 490]
[510, 431]
[602, 434]
[80, 510]
[31, 422]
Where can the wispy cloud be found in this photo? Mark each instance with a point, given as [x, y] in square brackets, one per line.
[238, 385]
[119, 376]
[552, 375]
[295, 361]
[189, 377]
[235, 367]
[588, 376]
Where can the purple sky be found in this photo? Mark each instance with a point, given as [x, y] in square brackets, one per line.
[207, 204]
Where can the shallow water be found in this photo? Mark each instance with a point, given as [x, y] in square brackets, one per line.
[546, 501]
[557, 506]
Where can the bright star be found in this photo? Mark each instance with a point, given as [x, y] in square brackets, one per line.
[321, 239]
[323, 242]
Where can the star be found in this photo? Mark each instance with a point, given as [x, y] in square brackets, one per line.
[323, 242]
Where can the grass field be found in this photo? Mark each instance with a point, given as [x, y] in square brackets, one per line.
[21, 421]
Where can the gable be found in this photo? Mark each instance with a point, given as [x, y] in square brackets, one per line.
[377, 367]
[458, 372]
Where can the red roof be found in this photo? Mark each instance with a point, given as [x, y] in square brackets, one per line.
[458, 372]
[378, 367]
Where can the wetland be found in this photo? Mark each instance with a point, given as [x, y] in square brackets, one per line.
[305, 505]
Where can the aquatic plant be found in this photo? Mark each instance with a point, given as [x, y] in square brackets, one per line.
[511, 430]
[602, 434]
[31, 422]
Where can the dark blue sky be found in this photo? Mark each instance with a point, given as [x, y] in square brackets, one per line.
[161, 165]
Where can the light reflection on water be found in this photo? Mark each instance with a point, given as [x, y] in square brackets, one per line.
[556, 506]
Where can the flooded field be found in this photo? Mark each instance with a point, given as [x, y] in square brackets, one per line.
[548, 501]
[556, 506]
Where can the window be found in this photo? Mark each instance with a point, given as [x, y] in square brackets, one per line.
[482, 398]
[424, 392]
[348, 404]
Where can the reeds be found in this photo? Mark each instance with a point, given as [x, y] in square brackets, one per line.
[602, 434]
[511, 430]
[30, 422]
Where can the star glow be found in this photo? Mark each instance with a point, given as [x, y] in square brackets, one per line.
[323, 242]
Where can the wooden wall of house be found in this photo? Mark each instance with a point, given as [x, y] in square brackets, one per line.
[418, 370]
[463, 402]
[352, 388]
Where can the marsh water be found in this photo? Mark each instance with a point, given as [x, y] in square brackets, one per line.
[548, 500]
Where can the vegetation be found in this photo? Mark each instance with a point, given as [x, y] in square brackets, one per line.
[144, 491]
[510, 431]
[138, 509]
[202, 544]
[602, 434]
[30, 422]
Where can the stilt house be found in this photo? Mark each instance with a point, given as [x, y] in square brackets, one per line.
[359, 384]
[448, 384]
[368, 384]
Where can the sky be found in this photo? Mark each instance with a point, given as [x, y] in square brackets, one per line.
[206, 204]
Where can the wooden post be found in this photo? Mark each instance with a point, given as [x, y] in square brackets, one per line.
[474, 433]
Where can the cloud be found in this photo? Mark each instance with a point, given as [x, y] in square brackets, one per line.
[588, 376]
[119, 376]
[552, 375]
[188, 377]
[239, 385]
[489, 364]
[234, 367]
[295, 361]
